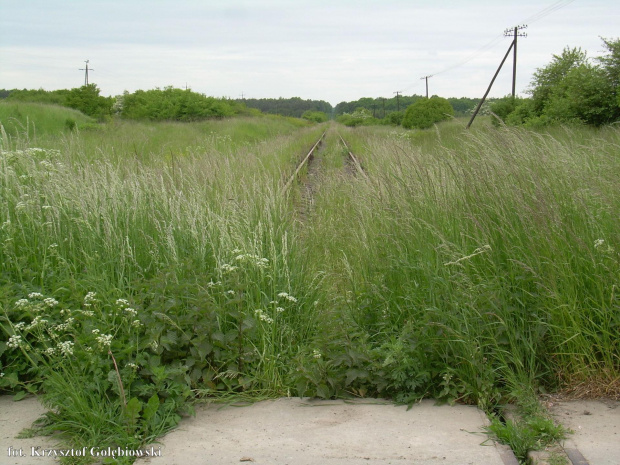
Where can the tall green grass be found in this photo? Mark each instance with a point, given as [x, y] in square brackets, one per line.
[29, 122]
[196, 244]
[485, 261]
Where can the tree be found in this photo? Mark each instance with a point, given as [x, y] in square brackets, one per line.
[424, 113]
[87, 100]
[585, 94]
[546, 79]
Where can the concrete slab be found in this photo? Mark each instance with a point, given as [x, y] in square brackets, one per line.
[298, 431]
[596, 426]
[14, 417]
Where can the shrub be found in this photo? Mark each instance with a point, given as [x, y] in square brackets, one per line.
[424, 113]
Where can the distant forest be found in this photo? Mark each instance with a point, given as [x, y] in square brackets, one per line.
[380, 107]
[294, 106]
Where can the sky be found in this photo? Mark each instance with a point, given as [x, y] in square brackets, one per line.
[332, 50]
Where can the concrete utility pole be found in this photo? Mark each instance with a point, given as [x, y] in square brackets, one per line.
[514, 32]
[426, 77]
[86, 72]
[398, 92]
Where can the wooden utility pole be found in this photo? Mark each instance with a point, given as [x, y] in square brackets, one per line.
[86, 72]
[426, 77]
[398, 92]
[490, 85]
[515, 33]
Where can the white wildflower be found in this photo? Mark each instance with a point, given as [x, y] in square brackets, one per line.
[283, 295]
[226, 268]
[279, 309]
[87, 312]
[105, 340]
[14, 341]
[66, 348]
[316, 354]
[154, 345]
[131, 311]
[64, 326]
[51, 351]
[50, 302]
[263, 316]
[35, 295]
[95, 331]
[21, 303]
[20, 325]
[136, 323]
[90, 299]
[122, 303]
[133, 366]
[230, 292]
[598, 243]
[36, 322]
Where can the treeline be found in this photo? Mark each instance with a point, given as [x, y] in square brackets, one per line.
[295, 106]
[381, 107]
[421, 114]
[168, 104]
[571, 88]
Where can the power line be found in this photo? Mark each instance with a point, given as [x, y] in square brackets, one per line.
[547, 11]
[497, 39]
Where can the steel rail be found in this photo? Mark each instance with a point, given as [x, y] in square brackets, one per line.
[356, 162]
[303, 162]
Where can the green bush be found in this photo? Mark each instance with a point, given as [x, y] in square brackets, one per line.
[172, 104]
[424, 113]
[315, 116]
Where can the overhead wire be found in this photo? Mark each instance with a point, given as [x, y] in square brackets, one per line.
[496, 40]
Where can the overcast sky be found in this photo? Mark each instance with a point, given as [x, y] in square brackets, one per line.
[333, 50]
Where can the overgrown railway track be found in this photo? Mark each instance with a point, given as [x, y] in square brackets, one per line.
[305, 162]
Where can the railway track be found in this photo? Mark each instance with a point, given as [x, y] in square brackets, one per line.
[305, 162]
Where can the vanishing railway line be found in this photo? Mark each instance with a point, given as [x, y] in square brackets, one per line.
[309, 158]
